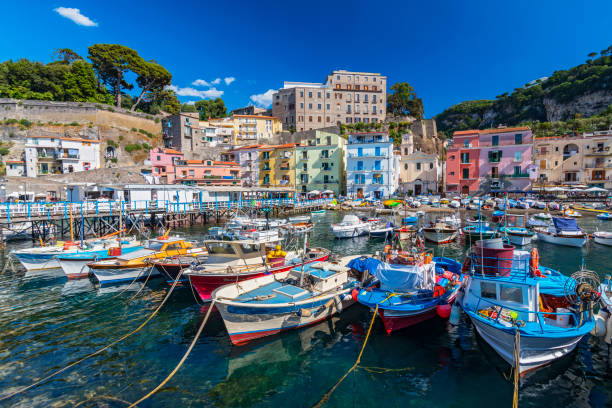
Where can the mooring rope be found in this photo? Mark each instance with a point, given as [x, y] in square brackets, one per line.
[178, 366]
[101, 397]
[95, 353]
[331, 391]
[517, 367]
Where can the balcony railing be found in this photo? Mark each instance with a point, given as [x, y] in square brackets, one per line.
[355, 155]
[520, 175]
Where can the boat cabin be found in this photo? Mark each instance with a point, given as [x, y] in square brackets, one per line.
[220, 251]
[168, 244]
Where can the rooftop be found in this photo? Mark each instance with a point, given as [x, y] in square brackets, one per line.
[489, 131]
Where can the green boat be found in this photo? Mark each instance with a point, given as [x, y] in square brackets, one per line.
[318, 212]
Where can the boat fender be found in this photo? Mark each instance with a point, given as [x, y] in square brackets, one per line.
[599, 330]
[444, 310]
[355, 294]
[338, 304]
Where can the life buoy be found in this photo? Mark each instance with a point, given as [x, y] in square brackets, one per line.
[534, 263]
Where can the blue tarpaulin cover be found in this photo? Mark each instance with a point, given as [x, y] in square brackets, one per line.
[565, 224]
[365, 264]
[397, 278]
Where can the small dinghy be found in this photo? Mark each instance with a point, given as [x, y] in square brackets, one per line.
[440, 232]
[293, 299]
[479, 231]
[75, 265]
[533, 222]
[605, 216]
[317, 212]
[543, 216]
[515, 230]
[540, 205]
[603, 237]
[382, 229]
[516, 303]
[454, 204]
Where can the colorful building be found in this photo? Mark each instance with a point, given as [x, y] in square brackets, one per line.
[248, 159]
[60, 155]
[371, 167]
[319, 163]
[162, 161]
[277, 165]
[490, 160]
[249, 128]
[205, 173]
[573, 160]
[419, 172]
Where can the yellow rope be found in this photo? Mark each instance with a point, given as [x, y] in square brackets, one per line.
[331, 391]
[101, 397]
[169, 377]
[95, 353]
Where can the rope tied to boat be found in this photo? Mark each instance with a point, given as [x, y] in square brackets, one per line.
[331, 391]
[95, 353]
[517, 365]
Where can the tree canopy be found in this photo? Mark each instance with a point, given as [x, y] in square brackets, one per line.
[404, 101]
[211, 108]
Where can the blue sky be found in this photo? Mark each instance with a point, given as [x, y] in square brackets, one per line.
[450, 51]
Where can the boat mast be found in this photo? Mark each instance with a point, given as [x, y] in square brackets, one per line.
[303, 258]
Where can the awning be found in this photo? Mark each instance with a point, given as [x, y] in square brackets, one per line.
[596, 190]
[314, 192]
[328, 192]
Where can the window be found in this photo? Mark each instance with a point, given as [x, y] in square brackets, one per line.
[328, 140]
[430, 166]
[465, 158]
[406, 166]
[318, 94]
[373, 98]
[418, 166]
[510, 293]
[466, 143]
[466, 173]
[327, 107]
[310, 106]
[328, 95]
[158, 157]
[452, 173]
[301, 94]
[488, 290]
[495, 140]
[191, 173]
[377, 165]
[494, 172]
[319, 106]
[377, 151]
[518, 138]
[301, 105]
[310, 94]
[518, 157]
[517, 170]
[374, 110]
[359, 165]
[319, 119]
[310, 118]
[495, 156]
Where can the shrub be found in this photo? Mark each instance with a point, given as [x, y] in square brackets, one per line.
[133, 147]
[156, 120]
[111, 143]
[121, 138]
[4, 151]
[10, 121]
[74, 123]
[134, 130]
[114, 160]
[144, 132]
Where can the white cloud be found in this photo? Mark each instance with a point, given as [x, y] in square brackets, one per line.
[209, 93]
[264, 99]
[229, 80]
[216, 81]
[200, 82]
[75, 15]
[190, 102]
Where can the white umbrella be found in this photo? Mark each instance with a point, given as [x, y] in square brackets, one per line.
[328, 192]
[555, 189]
[314, 192]
[596, 190]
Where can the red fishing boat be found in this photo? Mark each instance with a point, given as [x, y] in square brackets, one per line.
[235, 261]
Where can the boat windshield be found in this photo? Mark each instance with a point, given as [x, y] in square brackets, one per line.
[220, 248]
[155, 245]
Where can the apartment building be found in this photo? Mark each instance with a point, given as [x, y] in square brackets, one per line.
[277, 165]
[490, 160]
[251, 110]
[162, 162]
[205, 173]
[371, 167]
[419, 172]
[572, 160]
[248, 129]
[319, 163]
[344, 97]
[247, 158]
[182, 132]
[15, 168]
[60, 155]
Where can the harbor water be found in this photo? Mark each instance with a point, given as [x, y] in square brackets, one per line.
[47, 322]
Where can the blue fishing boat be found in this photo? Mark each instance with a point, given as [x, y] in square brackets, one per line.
[412, 288]
[521, 308]
[515, 230]
[75, 265]
[479, 231]
[604, 216]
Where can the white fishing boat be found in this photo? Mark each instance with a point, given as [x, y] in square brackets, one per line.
[381, 229]
[563, 231]
[524, 309]
[454, 204]
[299, 218]
[75, 265]
[440, 232]
[273, 303]
[540, 205]
[543, 216]
[350, 227]
[603, 237]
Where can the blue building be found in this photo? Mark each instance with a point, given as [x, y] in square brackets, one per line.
[372, 169]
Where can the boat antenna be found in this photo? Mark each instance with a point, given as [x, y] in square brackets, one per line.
[303, 258]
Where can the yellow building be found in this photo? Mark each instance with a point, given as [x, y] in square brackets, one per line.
[277, 165]
[248, 129]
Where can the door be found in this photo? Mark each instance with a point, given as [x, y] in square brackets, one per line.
[465, 190]
[417, 189]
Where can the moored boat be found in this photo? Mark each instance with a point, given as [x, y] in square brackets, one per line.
[605, 216]
[515, 230]
[383, 229]
[571, 213]
[350, 227]
[603, 237]
[479, 231]
[440, 232]
[75, 265]
[543, 216]
[564, 231]
[299, 218]
[522, 308]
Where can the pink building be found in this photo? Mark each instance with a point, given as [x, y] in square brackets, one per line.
[490, 160]
[205, 172]
[162, 161]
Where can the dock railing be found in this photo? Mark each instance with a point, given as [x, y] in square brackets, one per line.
[46, 210]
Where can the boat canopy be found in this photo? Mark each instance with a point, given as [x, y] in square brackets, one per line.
[565, 224]
[350, 219]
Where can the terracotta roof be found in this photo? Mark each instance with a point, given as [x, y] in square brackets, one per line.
[246, 147]
[465, 132]
[226, 163]
[171, 151]
[15, 161]
[75, 139]
[488, 131]
[194, 161]
[256, 116]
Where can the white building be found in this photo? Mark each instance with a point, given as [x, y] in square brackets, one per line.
[248, 159]
[371, 166]
[59, 155]
[15, 168]
[420, 173]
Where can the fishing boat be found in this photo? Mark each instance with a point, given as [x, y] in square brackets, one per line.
[440, 232]
[297, 228]
[540, 205]
[515, 229]
[603, 237]
[543, 216]
[216, 233]
[603, 319]
[131, 266]
[44, 257]
[605, 216]
[317, 212]
[282, 301]
[299, 218]
[453, 220]
[75, 265]
[413, 287]
[571, 213]
[533, 222]
[454, 204]
[479, 231]
[523, 309]
[383, 229]
[350, 227]
[171, 266]
[564, 231]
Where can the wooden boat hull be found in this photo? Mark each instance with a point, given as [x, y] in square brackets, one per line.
[206, 283]
[440, 236]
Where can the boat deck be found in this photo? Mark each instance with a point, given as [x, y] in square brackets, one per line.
[274, 292]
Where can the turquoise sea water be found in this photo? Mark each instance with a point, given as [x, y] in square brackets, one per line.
[46, 322]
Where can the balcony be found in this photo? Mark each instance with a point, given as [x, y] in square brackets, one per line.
[520, 175]
[70, 157]
[356, 156]
[597, 165]
[599, 151]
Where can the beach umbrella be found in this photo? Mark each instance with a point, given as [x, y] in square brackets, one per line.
[596, 190]
[328, 192]
[314, 192]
